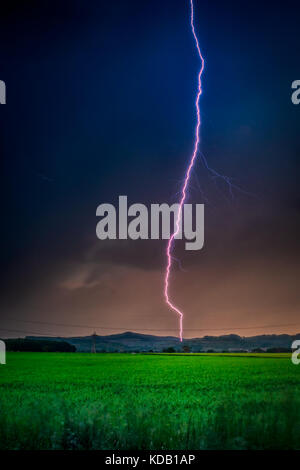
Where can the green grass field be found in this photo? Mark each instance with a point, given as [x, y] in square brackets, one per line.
[126, 401]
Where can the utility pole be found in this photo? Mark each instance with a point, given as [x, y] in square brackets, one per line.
[94, 336]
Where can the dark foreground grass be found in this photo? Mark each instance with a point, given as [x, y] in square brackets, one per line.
[125, 401]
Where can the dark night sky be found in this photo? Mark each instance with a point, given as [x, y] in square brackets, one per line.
[100, 103]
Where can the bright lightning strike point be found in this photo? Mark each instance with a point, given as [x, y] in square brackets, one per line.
[185, 185]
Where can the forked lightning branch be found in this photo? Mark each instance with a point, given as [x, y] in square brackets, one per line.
[138, 223]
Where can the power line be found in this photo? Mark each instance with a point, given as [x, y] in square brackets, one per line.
[70, 325]
[28, 332]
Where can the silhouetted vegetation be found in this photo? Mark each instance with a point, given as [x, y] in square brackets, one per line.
[279, 350]
[32, 345]
[169, 350]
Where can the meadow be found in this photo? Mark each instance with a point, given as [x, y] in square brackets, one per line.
[159, 401]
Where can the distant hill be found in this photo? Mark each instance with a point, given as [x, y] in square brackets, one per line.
[130, 342]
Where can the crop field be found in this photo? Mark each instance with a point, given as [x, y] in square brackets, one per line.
[159, 401]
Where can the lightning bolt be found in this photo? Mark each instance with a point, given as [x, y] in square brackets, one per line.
[185, 184]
